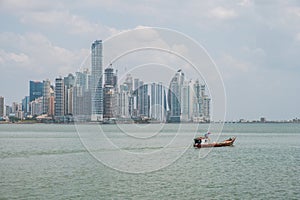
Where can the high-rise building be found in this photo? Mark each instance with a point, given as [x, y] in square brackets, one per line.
[206, 108]
[51, 110]
[69, 82]
[37, 106]
[1, 106]
[143, 100]
[174, 97]
[110, 94]
[35, 90]
[129, 82]
[96, 81]
[46, 95]
[26, 105]
[109, 76]
[201, 103]
[8, 110]
[136, 84]
[124, 101]
[82, 96]
[82, 79]
[197, 104]
[16, 107]
[157, 102]
[185, 102]
[59, 97]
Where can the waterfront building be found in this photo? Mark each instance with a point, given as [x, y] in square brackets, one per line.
[1, 107]
[8, 110]
[59, 97]
[110, 94]
[96, 81]
[69, 82]
[37, 106]
[46, 95]
[82, 96]
[26, 105]
[51, 110]
[143, 100]
[174, 97]
[109, 102]
[201, 103]
[16, 107]
[206, 108]
[136, 85]
[124, 101]
[35, 90]
[129, 82]
[19, 114]
[157, 102]
[82, 79]
[185, 102]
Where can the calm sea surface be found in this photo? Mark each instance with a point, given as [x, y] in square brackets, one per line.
[42, 161]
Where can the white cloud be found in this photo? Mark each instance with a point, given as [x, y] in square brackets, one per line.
[222, 13]
[13, 57]
[233, 65]
[39, 55]
[71, 23]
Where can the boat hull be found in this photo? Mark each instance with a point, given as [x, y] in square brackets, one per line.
[225, 143]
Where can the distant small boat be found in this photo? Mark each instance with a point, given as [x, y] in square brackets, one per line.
[201, 142]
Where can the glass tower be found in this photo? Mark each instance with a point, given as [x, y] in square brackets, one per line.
[35, 90]
[96, 81]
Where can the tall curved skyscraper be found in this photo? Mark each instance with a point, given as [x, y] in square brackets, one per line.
[174, 97]
[96, 81]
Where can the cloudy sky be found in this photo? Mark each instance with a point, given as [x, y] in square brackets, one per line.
[255, 44]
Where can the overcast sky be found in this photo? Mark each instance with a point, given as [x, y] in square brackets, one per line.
[255, 44]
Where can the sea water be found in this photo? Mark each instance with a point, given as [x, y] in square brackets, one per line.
[40, 161]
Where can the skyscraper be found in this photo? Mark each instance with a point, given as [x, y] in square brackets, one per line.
[201, 103]
[59, 97]
[143, 100]
[46, 95]
[174, 97]
[124, 101]
[157, 102]
[185, 102]
[1, 106]
[110, 96]
[82, 79]
[25, 105]
[96, 81]
[37, 106]
[51, 110]
[69, 82]
[82, 96]
[129, 82]
[35, 90]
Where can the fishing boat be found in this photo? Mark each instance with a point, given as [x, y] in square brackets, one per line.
[202, 142]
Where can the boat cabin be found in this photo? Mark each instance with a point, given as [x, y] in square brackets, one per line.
[200, 140]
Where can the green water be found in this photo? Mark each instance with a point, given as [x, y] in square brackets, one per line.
[51, 162]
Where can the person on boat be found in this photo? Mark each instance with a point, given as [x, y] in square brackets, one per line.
[206, 136]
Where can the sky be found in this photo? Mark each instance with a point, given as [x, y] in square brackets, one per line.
[254, 44]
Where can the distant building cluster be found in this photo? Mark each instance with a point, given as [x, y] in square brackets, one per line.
[85, 96]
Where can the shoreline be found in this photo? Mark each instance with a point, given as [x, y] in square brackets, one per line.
[100, 123]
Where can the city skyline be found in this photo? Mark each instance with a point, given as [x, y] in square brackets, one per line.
[100, 96]
[254, 44]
